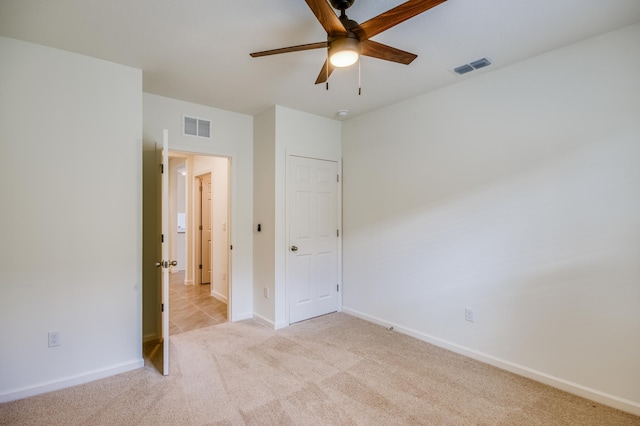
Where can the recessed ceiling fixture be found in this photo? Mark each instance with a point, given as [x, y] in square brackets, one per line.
[347, 40]
[342, 113]
[472, 66]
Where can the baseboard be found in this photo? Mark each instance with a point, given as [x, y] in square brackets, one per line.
[220, 297]
[69, 381]
[241, 317]
[150, 337]
[188, 282]
[556, 382]
[266, 322]
[280, 325]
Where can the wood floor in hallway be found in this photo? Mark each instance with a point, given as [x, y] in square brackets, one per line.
[192, 306]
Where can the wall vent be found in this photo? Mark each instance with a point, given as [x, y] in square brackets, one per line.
[193, 126]
[472, 66]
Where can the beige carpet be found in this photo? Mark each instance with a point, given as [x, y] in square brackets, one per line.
[332, 370]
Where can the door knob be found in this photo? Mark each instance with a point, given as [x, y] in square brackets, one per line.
[294, 248]
[173, 263]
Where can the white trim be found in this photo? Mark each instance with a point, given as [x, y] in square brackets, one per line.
[242, 317]
[74, 380]
[267, 322]
[264, 321]
[556, 382]
[281, 325]
[220, 297]
[149, 337]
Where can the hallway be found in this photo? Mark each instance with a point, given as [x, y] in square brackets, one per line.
[192, 306]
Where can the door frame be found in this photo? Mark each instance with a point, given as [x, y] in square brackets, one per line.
[192, 259]
[197, 216]
[287, 261]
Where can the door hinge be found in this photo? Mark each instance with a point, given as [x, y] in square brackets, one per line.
[337, 233]
[161, 168]
[338, 178]
[200, 228]
[231, 247]
[162, 238]
[337, 287]
[162, 307]
[199, 266]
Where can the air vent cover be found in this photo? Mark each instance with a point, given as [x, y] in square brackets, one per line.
[193, 126]
[480, 63]
[463, 69]
[475, 65]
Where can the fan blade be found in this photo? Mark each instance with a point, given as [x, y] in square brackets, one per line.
[290, 49]
[388, 53]
[393, 17]
[324, 72]
[327, 17]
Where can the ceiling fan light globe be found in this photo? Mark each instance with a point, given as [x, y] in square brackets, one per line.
[344, 52]
[344, 58]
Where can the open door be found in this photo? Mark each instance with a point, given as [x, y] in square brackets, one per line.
[155, 278]
[165, 264]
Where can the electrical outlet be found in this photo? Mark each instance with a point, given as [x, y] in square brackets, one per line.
[54, 338]
[469, 315]
[266, 292]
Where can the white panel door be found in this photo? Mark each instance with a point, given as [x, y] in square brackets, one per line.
[205, 231]
[165, 252]
[313, 238]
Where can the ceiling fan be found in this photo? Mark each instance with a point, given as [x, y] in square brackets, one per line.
[347, 40]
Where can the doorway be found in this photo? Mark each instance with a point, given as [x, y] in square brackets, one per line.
[199, 283]
[162, 246]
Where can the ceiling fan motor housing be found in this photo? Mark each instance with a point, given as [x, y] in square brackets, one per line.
[341, 4]
[339, 42]
[349, 24]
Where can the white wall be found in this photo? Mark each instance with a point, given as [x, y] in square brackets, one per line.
[232, 136]
[264, 162]
[220, 222]
[177, 200]
[517, 194]
[70, 163]
[281, 132]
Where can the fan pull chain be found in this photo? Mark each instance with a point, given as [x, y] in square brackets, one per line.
[327, 69]
[359, 78]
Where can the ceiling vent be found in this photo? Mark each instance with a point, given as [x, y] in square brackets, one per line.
[193, 126]
[475, 65]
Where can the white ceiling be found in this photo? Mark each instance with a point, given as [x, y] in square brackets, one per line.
[198, 50]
